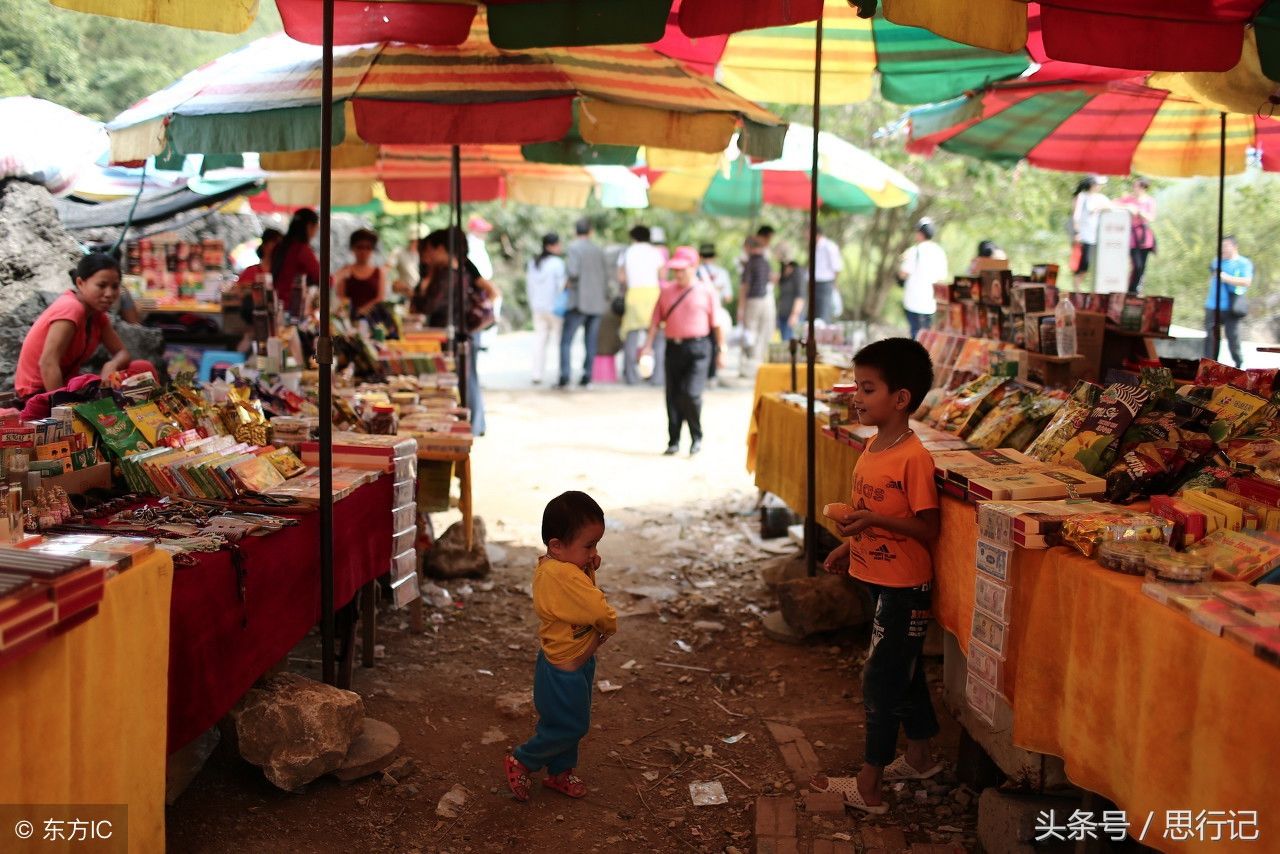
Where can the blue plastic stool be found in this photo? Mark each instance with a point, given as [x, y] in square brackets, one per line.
[213, 360]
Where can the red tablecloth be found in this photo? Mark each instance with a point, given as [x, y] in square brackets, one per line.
[219, 645]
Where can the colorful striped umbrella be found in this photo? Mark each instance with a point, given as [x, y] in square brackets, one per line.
[513, 24]
[849, 180]
[489, 173]
[1118, 128]
[775, 65]
[1161, 35]
[266, 97]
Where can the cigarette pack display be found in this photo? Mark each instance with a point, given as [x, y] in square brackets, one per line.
[404, 591]
[989, 632]
[1220, 514]
[991, 597]
[404, 539]
[1032, 328]
[1165, 592]
[1157, 315]
[403, 516]
[1252, 600]
[403, 491]
[985, 665]
[38, 566]
[1263, 642]
[403, 564]
[982, 700]
[1214, 615]
[28, 614]
[996, 286]
[994, 559]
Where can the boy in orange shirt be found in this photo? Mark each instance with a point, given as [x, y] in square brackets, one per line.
[573, 620]
[895, 518]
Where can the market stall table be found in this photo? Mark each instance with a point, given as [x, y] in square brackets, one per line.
[772, 378]
[85, 713]
[1144, 707]
[231, 624]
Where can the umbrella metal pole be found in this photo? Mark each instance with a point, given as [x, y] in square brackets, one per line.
[457, 247]
[1217, 277]
[811, 346]
[324, 355]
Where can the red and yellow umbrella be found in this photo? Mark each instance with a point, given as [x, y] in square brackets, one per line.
[1118, 128]
[513, 24]
[266, 97]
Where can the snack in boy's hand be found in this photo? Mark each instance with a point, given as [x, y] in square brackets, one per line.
[837, 511]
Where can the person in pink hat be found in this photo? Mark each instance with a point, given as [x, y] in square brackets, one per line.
[478, 229]
[686, 309]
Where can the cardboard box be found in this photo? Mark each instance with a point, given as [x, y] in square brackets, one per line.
[79, 481]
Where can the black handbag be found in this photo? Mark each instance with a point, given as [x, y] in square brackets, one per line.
[619, 306]
[1237, 304]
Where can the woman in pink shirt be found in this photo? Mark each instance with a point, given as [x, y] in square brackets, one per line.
[687, 310]
[1141, 206]
[69, 331]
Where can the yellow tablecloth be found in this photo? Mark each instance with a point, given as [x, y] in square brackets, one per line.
[771, 378]
[84, 716]
[1144, 707]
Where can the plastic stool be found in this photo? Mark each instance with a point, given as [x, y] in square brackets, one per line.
[604, 369]
[213, 360]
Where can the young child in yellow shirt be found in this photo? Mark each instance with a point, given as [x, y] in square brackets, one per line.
[574, 619]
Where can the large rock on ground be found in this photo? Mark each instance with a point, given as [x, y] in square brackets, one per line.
[36, 256]
[449, 557]
[823, 603]
[297, 729]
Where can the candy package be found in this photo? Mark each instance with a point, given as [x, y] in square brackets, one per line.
[963, 411]
[244, 417]
[1214, 373]
[1086, 532]
[1037, 409]
[1066, 422]
[1262, 455]
[1097, 443]
[1239, 555]
[1158, 448]
[113, 425]
[1002, 420]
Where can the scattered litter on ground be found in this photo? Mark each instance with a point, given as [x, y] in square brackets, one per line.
[708, 794]
[683, 646]
[630, 663]
[485, 672]
[607, 687]
[452, 802]
[493, 735]
[734, 739]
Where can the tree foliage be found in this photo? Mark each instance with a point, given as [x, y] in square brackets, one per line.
[99, 66]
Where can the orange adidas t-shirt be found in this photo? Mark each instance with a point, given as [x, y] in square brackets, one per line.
[897, 482]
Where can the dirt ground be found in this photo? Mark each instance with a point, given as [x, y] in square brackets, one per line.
[699, 681]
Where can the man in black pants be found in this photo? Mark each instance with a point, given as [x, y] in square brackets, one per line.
[687, 310]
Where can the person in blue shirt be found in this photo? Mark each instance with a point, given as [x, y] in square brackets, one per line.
[1237, 275]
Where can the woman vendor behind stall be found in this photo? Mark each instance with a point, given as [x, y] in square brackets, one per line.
[294, 258]
[66, 335]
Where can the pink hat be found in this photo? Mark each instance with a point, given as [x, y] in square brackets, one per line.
[479, 223]
[683, 258]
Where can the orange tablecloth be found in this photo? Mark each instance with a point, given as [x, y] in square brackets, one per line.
[84, 715]
[1144, 707]
[771, 378]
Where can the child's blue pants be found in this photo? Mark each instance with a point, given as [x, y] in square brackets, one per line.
[563, 701]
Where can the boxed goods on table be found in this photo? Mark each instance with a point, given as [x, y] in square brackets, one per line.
[1029, 524]
[1045, 483]
[1252, 600]
[1263, 642]
[1132, 557]
[1125, 311]
[1190, 523]
[1239, 555]
[957, 466]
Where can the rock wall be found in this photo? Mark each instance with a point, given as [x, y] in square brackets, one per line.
[36, 255]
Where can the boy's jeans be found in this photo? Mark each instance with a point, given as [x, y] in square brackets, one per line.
[894, 690]
[563, 701]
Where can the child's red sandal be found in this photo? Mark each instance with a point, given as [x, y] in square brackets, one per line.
[566, 783]
[517, 777]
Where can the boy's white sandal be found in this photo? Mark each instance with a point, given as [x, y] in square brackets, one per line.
[900, 769]
[848, 789]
